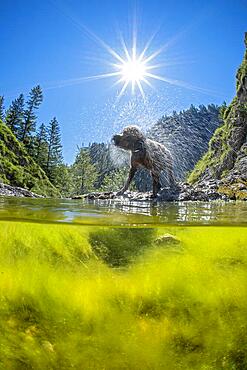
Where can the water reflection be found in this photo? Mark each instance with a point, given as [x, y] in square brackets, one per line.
[122, 213]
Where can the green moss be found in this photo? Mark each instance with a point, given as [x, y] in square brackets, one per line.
[234, 191]
[242, 71]
[17, 168]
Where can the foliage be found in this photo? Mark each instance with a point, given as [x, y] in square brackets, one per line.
[61, 308]
[225, 146]
[83, 172]
[63, 180]
[29, 119]
[242, 71]
[54, 149]
[115, 180]
[100, 157]
[18, 168]
[41, 147]
[2, 115]
[15, 114]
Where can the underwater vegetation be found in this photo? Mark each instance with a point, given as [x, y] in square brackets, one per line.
[120, 246]
[77, 297]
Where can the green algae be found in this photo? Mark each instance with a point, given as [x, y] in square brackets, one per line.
[63, 307]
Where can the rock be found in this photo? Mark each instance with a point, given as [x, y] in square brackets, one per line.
[167, 239]
[14, 191]
[226, 159]
[48, 346]
[205, 191]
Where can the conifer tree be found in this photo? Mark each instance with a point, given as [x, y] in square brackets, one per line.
[54, 155]
[84, 173]
[29, 121]
[2, 108]
[41, 147]
[63, 180]
[14, 115]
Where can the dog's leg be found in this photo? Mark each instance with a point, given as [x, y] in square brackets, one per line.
[156, 185]
[130, 178]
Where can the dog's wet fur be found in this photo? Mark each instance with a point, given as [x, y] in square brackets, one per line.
[146, 153]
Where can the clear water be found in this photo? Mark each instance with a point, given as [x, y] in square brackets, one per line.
[116, 285]
[123, 213]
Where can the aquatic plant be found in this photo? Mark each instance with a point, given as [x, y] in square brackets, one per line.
[172, 308]
[120, 246]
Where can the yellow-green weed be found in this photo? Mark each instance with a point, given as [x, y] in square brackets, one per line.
[64, 306]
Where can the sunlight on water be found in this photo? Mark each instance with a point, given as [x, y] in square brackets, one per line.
[113, 212]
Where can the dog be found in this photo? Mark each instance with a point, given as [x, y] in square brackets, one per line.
[146, 153]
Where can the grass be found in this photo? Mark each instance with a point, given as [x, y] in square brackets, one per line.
[173, 306]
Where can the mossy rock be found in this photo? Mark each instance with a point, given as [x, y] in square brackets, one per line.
[225, 145]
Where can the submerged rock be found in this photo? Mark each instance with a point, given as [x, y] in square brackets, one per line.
[167, 239]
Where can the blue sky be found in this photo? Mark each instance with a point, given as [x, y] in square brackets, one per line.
[48, 43]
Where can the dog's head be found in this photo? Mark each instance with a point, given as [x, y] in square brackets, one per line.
[129, 139]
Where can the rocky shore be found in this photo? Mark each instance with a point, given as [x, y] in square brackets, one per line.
[204, 191]
[14, 191]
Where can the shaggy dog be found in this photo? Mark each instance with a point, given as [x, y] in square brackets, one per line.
[145, 153]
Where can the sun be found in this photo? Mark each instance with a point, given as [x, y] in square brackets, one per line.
[133, 67]
[133, 71]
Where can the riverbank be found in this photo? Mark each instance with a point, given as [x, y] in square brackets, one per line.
[15, 191]
[204, 191]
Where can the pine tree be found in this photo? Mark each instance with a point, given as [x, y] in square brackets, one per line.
[29, 122]
[2, 108]
[14, 115]
[41, 147]
[84, 173]
[115, 180]
[63, 180]
[54, 155]
[101, 158]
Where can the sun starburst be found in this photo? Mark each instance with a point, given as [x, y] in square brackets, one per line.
[132, 69]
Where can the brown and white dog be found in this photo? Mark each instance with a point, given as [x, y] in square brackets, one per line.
[146, 153]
